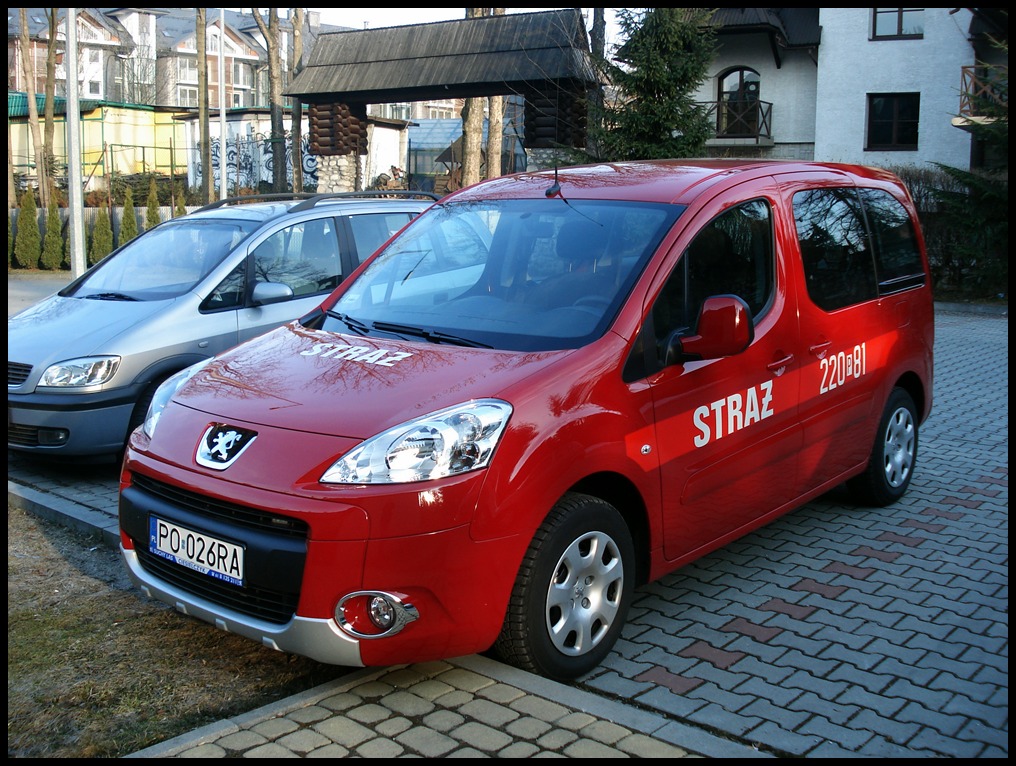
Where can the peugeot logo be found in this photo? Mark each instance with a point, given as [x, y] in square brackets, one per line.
[222, 444]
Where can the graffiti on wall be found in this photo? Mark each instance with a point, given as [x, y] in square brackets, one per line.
[249, 162]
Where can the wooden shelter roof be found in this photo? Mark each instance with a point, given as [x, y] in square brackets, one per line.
[490, 55]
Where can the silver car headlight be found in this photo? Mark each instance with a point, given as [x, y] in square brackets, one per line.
[165, 392]
[444, 443]
[79, 373]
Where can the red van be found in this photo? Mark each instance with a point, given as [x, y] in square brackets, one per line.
[548, 389]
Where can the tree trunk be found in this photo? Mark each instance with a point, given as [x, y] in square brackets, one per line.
[12, 189]
[278, 139]
[28, 67]
[47, 142]
[495, 126]
[472, 124]
[597, 44]
[297, 109]
[207, 176]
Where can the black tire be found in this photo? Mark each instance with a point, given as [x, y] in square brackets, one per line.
[572, 593]
[893, 455]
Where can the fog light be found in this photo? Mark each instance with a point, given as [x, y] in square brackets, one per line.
[53, 437]
[381, 612]
[374, 614]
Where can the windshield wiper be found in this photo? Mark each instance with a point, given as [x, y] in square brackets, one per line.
[110, 297]
[432, 336]
[353, 324]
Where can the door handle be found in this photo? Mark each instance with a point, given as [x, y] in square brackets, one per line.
[819, 349]
[780, 365]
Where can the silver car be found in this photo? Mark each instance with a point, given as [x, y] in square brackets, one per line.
[83, 364]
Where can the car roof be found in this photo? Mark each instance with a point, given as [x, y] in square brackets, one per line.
[670, 181]
[260, 208]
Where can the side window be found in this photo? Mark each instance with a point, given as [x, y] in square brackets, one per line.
[838, 264]
[732, 255]
[371, 230]
[229, 293]
[304, 256]
[898, 262]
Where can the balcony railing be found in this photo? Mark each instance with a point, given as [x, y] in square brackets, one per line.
[983, 88]
[741, 120]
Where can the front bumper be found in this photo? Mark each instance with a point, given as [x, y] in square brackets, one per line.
[319, 639]
[71, 425]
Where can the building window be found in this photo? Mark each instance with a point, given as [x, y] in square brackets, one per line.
[893, 121]
[188, 70]
[188, 96]
[94, 88]
[737, 113]
[897, 24]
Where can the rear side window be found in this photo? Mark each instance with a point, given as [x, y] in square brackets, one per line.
[898, 262]
[856, 244]
[835, 247]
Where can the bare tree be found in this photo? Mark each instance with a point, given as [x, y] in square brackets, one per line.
[297, 109]
[472, 124]
[207, 180]
[12, 189]
[495, 129]
[28, 68]
[271, 34]
[53, 23]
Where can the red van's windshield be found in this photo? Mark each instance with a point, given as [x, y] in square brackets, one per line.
[512, 274]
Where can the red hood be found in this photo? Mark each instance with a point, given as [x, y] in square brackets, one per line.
[347, 385]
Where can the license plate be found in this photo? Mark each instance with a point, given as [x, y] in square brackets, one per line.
[195, 550]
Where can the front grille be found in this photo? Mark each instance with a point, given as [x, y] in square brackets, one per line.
[22, 436]
[261, 603]
[17, 373]
[276, 548]
[240, 515]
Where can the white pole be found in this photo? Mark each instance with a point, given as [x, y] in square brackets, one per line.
[76, 208]
[223, 165]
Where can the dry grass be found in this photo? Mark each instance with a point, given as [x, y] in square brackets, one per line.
[95, 670]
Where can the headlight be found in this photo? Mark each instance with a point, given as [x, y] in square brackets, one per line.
[165, 392]
[87, 371]
[444, 443]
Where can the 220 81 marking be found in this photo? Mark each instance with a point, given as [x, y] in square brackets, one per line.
[837, 369]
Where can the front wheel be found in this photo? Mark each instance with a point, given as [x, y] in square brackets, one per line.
[572, 592]
[893, 455]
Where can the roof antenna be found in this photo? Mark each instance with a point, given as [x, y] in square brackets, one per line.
[555, 189]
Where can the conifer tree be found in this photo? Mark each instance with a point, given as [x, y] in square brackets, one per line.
[129, 219]
[102, 237]
[180, 210]
[27, 242]
[53, 242]
[665, 55]
[152, 217]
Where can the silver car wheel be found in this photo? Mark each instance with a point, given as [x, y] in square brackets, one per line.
[900, 447]
[584, 595]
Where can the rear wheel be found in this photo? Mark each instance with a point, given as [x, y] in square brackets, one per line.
[572, 592]
[893, 455]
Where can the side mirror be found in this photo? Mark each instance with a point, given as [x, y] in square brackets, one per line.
[271, 292]
[724, 329]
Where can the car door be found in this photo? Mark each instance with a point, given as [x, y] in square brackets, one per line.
[727, 428]
[844, 337]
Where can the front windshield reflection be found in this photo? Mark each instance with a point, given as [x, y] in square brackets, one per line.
[509, 274]
[165, 262]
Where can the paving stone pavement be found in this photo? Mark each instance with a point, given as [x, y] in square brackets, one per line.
[835, 631]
